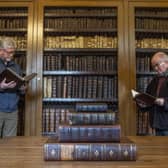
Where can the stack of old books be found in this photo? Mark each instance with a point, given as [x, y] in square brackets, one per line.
[91, 134]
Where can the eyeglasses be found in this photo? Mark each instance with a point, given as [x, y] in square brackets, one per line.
[10, 51]
[157, 65]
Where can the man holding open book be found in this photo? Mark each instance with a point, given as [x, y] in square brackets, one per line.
[158, 87]
[9, 96]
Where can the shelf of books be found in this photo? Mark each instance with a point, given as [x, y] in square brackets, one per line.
[151, 35]
[14, 24]
[80, 61]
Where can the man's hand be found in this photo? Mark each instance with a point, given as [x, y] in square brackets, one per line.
[159, 101]
[9, 85]
[141, 104]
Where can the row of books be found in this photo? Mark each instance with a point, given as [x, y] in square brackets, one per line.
[10, 23]
[89, 142]
[80, 87]
[20, 41]
[142, 82]
[162, 12]
[84, 11]
[52, 117]
[143, 64]
[55, 115]
[150, 42]
[95, 41]
[151, 23]
[80, 23]
[79, 63]
[142, 123]
[13, 10]
[20, 59]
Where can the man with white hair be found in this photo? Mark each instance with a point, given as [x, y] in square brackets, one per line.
[9, 97]
[158, 87]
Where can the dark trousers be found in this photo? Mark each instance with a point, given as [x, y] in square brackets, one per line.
[160, 132]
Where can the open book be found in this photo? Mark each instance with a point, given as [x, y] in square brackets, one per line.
[143, 98]
[11, 75]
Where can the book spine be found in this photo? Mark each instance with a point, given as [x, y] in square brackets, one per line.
[90, 152]
[89, 133]
[92, 118]
[92, 107]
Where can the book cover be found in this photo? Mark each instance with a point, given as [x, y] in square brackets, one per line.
[125, 150]
[143, 98]
[91, 133]
[11, 75]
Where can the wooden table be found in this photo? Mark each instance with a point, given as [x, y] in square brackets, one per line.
[27, 152]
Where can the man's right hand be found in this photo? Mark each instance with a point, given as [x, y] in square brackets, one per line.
[141, 104]
[9, 85]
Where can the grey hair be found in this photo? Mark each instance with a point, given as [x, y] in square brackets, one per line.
[7, 42]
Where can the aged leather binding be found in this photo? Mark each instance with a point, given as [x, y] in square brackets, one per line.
[124, 151]
[91, 133]
[97, 107]
[92, 118]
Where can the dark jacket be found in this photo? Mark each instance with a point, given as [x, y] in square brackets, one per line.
[9, 98]
[158, 115]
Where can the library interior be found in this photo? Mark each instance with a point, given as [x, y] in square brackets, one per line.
[85, 58]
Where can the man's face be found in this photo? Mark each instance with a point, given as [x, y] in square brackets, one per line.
[160, 67]
[8, 54]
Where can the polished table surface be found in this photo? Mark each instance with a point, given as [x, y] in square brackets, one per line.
[27, 152]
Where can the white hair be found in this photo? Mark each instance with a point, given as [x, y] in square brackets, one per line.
[6, 43]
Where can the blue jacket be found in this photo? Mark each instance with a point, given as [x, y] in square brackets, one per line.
[9, 98]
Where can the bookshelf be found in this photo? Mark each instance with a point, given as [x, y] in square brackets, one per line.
[79, 58]
[15, 22]
[69, 56]
[150, 35]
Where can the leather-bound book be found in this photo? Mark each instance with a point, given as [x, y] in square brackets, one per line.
[123, 151]
[91, 133]
[92, 118]
[11, 75]
[97, 107]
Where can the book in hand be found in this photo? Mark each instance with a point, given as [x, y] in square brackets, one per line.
[143, 98]
[125, 150]
[11, 75]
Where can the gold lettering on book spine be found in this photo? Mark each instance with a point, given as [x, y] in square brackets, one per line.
[125, 153]
[111, 153]
[53, 152]
[96, 153]
[67, 152]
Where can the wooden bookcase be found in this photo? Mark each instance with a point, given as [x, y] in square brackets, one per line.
[66, 44]
[16, 22]
[149, 34]
[80, 47]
